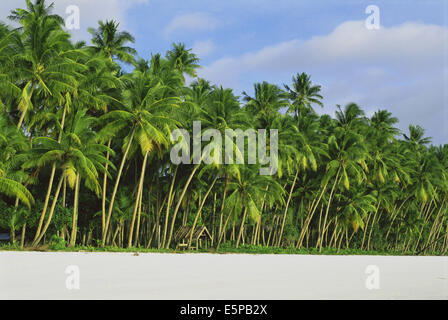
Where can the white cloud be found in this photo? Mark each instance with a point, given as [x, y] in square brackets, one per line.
[198, 21]
[90, 12]
[203, 48]
[408, 47]
[400, 68]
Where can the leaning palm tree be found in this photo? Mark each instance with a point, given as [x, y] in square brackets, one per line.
[144, 117]
[78, 156]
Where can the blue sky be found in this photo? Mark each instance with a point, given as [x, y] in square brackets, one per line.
[402, 67]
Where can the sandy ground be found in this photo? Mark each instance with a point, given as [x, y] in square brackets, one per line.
[38, 275]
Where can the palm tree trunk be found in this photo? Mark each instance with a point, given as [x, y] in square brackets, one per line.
[50, 184]
[221, 235]
[157, 221]
[168, 207]
[180, 202]
[139, 194]
[104, 195]
[328, 209]
[22, 239]
[22, 116]
[199, 211]
[213, 218]
[50, 215]
[47, 200]
[117, 183]
[221, 213]
[137, 230]
[241, 229]
[286, 208]
[310, 217]
[75, 212]
[373, 225]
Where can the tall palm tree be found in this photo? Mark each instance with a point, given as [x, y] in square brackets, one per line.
[144, 117]
[246, 192]
[44, 66]
[78, 157]
[303, 94]
[113, 43]
[183, 59]
[268, 100]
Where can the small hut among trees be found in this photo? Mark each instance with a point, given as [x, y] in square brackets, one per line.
[201, 236]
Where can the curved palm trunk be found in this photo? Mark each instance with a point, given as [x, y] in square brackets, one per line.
[75, 213]
[50, 215]
[50, 183]
[310, 217]
[137, 200]
[321, 238]
[139, 213]
[242, 227]
[226, 182]
[170, 201]
[373, 224]
[286, 208]
[173, 220]
[103, 200]
[47, 200]
[156, 224]
[22, 240]
[199, 211]
[221, 235]
[117, 183]
[22, 116]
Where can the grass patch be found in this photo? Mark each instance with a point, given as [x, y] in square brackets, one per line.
[58, 245]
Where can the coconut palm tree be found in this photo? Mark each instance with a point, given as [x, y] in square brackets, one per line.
[144, 118]
[246, 192]
[183, 59]
[268, 100]
[303, 94]
[113, 43]
[45, 65]
[77, 156]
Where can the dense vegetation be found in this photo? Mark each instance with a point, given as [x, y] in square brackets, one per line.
[85, 154]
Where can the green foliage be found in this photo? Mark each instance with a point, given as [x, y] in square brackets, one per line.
[85, 156]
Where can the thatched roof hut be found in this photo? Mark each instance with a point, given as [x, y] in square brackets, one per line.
[182, 236]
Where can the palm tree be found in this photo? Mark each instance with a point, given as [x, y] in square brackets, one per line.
[245, 194]
[12, 144]
[12, 188]
[348, 155]
[44, 65]
[269, 99]
[303, 94]
[144, 112]
[308, 148]
[183, 59]
[77, 156]
[112, 43]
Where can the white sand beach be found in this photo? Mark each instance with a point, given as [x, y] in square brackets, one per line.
[39, 275]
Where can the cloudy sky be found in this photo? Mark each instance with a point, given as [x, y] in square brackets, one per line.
[402, 67]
